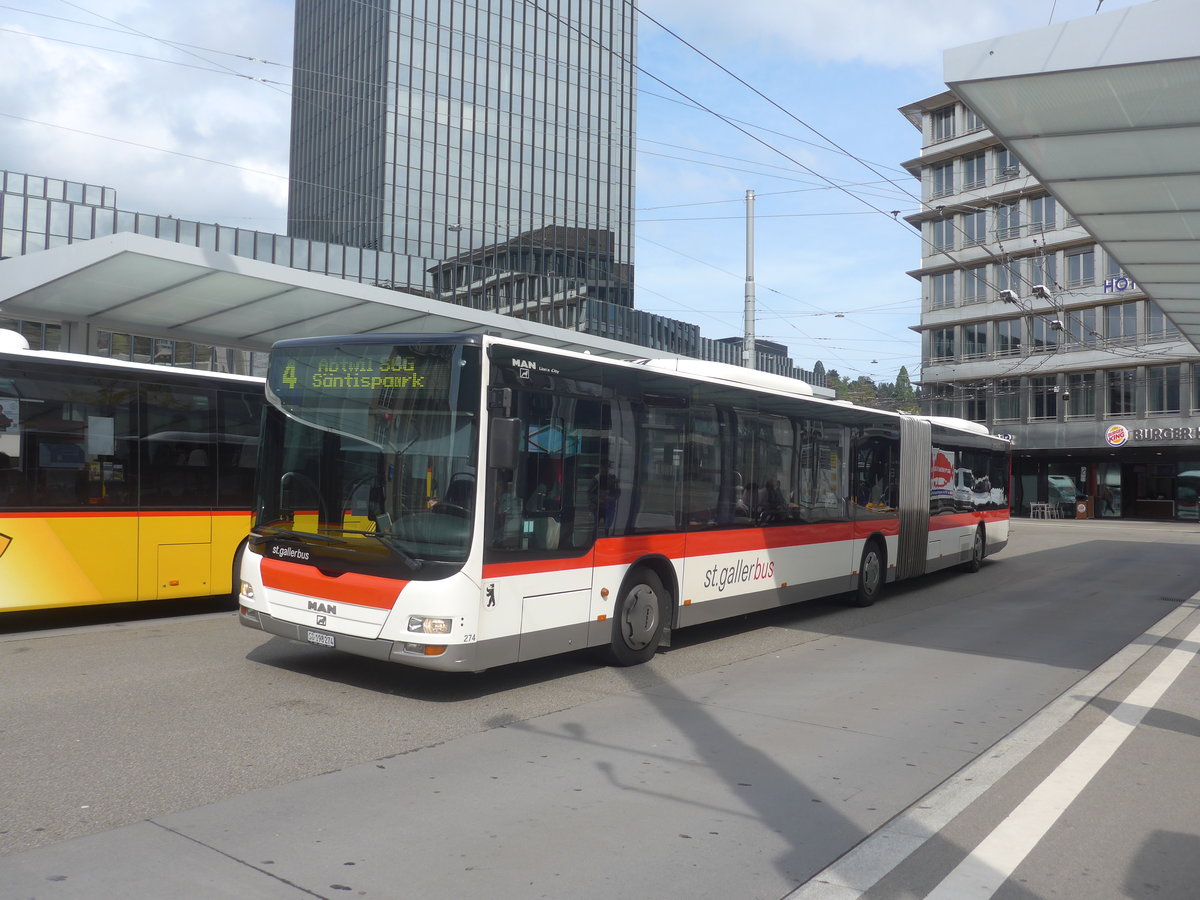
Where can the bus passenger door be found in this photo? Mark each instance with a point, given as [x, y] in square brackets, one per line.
[543, 526]
[178, 488]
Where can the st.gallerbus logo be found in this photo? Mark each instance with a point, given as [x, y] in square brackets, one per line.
[1116, 435]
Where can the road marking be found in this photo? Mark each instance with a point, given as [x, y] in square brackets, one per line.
[991, 863]
[860, 869]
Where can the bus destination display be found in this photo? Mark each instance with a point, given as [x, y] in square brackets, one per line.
[365, 372]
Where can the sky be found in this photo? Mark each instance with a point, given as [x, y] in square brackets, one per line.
[184, 109]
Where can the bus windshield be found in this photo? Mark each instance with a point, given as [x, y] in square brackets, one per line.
[369, 453]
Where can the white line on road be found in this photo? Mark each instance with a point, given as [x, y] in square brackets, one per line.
[991, 863]
[855, 873]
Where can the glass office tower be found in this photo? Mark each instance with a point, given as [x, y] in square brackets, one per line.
[491, 142]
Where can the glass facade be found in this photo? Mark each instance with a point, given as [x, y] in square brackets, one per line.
[488, 145]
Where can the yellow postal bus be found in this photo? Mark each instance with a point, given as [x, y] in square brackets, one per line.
[120, 481]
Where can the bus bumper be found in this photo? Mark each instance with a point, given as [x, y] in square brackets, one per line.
[456, 657]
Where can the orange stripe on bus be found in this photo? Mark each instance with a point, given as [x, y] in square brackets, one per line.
[125, 513]
[348, 587]
[615, 551]
[963, 520]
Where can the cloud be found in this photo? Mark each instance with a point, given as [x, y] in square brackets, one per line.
[884, 33]
[93, 108]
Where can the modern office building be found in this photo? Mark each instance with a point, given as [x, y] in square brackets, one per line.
[1030, 326]
[39, 213]
[451, 134]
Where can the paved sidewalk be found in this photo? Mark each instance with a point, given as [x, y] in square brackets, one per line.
[1093, 797]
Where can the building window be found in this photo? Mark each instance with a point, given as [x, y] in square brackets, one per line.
[1195, 385]
[974, 171]
[1007, 166]
[971, 121]
[1008, 337]
[975, 340]
[974, 228]
[1044, 270]
[1162, 389]
[943, 234]
[942, 289]
[941, 400]
[1081, 267]
[1112, 268]
[943, 343]
[40, 335]
[1042, 338]
[1158, 326]
[943, 180]
[1081, 327]
[941, 124]
[1008, 276]
[1120, 323]
[975, 399]
[1008, 220]
[1121, 399]
[1008, 400]
[1043, 397]
[1042, 214]
[1081, 395]
[975, 284]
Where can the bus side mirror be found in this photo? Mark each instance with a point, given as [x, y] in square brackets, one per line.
[504, 442]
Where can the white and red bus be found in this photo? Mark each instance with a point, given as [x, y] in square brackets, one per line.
[462, 501]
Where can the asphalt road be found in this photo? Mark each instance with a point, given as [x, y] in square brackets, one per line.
[767, 746]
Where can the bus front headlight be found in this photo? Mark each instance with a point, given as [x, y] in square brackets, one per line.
[429, 625]
[246, 590]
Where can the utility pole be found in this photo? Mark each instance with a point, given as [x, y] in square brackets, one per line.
[749, 356]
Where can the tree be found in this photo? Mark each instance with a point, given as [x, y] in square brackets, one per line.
[862, 391]
[906, 397]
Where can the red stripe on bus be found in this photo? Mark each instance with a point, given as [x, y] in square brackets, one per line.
[963, 520]
[625, 550]
[349, 587]
[125, 513]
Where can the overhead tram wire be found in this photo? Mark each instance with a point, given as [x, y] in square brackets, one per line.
[223, 70]
[888, 335]
[957, 264]
[128, 30]
[227, 70]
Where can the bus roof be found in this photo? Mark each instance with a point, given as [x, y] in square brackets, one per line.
[20, 348]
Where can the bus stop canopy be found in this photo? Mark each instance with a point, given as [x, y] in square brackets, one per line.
[131, 283]
[1105, 112]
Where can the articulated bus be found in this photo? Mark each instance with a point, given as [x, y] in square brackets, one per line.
[120, 481]
[459, 502]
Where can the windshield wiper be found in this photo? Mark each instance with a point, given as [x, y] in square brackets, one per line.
[303, 537]
[391, 542]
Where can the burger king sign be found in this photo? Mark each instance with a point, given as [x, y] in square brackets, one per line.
[1116, 435]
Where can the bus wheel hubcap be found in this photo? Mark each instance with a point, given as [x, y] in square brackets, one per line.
[641, 617]
[870, 573]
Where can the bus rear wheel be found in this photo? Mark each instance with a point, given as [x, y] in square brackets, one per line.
[978, 551]
[638, 619]
[872, 572]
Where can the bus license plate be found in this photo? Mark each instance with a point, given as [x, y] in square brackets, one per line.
[316, 637]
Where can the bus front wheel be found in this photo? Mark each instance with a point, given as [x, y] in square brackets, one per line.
[639, 619]
[872, 573]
